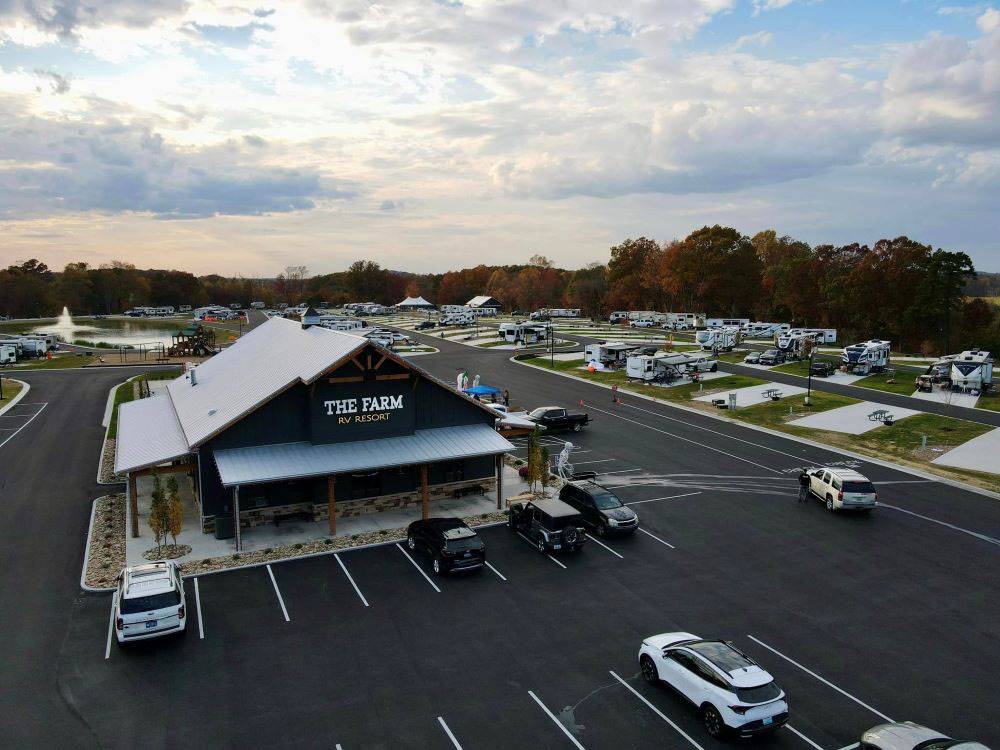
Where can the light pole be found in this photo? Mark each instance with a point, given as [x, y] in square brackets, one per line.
[552, 348]
[809, 381]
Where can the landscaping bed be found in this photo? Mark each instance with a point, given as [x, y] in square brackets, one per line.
[106, 545]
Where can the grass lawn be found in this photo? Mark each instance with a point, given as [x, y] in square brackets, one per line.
[795, 368]
[903, 385]
[10, 390]
[989, 400]
[775, 414]
[58, 362]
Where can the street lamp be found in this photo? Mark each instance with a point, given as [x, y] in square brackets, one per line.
[809, 381]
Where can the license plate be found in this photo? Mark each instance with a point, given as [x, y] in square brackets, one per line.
[766, 720]
[151, 624]
[556, 546]
[468, 554]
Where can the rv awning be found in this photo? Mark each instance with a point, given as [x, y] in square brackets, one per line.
[148, 434]
[272, 463]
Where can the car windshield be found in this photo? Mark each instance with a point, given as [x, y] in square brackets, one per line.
[722, 655]
[148, 603]
[539, 412]
[606, 501]
[864, 487]
[771, 352]
[759, 694]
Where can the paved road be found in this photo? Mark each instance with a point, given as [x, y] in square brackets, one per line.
[897, 610]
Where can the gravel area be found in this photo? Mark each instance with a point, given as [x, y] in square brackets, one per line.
[107, 542]
[167, 552]
[107, 473]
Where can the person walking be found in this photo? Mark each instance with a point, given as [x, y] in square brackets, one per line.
[614, 394]
[803, 486]
[506, 397]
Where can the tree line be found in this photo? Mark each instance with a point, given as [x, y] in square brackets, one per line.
[899, 289]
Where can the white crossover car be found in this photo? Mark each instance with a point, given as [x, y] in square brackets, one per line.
[728, 687]
[843, 489]
[906, 735]
[149, 602]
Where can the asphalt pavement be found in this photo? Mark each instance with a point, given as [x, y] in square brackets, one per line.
[859, 618]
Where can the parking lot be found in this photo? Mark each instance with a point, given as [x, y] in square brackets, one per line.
[17, 418]
[369, 649]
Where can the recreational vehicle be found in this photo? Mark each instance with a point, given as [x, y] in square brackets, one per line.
[522, 333]
[458, 319]
[555, 312]
[866, 357]
[611, 354]
[257, 305]
[455, 309]
[618, 316]
[656, 317]
[8, 354]
[792, 343]
[665, 368]
[184, 308]
[972, 371]
[681, 320]
[764, 330]
[340, 323]
[823, 335]
[719, 339]
[727, 322]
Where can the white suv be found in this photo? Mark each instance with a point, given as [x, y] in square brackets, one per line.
[149, 602]
[643, 323]
[843, 489]
[730, 690]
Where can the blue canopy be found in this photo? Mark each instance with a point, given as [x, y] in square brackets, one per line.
[482, 390]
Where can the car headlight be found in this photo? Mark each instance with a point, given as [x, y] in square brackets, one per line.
[612, 522]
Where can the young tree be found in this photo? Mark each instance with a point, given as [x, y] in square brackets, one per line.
[543, 461]
[175, 509]
[158, 513]
[534, 458]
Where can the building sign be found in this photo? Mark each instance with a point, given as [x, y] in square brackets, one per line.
[361, 411]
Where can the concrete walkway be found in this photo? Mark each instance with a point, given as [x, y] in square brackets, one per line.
[753, 394]
[978, 454]
[852, 419]
[944, 396]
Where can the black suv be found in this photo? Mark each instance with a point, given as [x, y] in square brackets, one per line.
[600, 508]
[549, 524]
[424, 325]
[821, 369]
[451, 545]
[772, 357]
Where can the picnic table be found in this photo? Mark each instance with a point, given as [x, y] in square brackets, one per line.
[883, 416]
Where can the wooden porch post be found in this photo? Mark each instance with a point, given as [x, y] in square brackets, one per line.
[499, 461]
[331, 505]
[236, 510]
[424, 492]
[133, 504]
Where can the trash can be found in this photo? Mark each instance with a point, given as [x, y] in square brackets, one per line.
[224, 527]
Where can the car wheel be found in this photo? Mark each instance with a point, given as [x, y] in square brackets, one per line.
[602, 529]
[411, 543]
[436, 566]
[648, 669]
[715, 368]
[577, 427]
[712, 720]
[829, 503]
[541, 544]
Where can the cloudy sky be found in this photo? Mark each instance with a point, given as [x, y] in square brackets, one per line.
[225, 137]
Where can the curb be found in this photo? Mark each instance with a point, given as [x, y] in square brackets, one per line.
[775, 433]
[25, 387]
[107, 428]
[86, 552]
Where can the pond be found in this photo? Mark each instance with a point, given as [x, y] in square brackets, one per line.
[110, 331]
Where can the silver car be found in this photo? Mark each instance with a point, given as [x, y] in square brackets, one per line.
[909, 736]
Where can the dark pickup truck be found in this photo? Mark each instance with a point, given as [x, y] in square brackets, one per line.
[557, 418]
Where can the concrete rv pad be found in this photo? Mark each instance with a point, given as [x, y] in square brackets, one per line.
[978, 454]
[754, 394]
[851, 419]
[942, 396]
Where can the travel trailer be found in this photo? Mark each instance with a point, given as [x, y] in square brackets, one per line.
[682, 320]
[618, 316]
[656, 317]
[257, 305]
[719, 339]
[8, 354]
[792, 343]
[824, 335]
[522, 333]
[340, 323]
[665, 367]
[969, 371]
[458, 319]
[764, 330]
[866, 357]
[611, 354]
[727, 322]
[184, 308]
[556, 312]
[452, 309]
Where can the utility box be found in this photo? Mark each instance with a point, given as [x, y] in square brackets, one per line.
[224, 527]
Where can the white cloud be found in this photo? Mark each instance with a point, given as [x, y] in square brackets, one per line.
[989, 21]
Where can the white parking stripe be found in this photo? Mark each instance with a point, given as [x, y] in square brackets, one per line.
[351, 579]
[111, 626]
[594, 461]
[598, 541]
[687, 440]
[976, 534]
[419, 569]
[11, 437]
[278, 594]
[197, 605]
[656, 538]
[499, 574]
[801, 736]
[657, 711]
[558, 723]
[617, 471]
[851, 746]
[447, 731]
[668, 497]
[821, 679]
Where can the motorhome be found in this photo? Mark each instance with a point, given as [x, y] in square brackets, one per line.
[612, 354]
[793, 343]
[972, 371]
[824, 335]
[719, 339]
[8, 354]
[522, 333]
[764, 330]
[727, 322]
[866, 357]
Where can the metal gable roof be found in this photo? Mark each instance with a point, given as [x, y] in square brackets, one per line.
[148, 434]
[259, 366]
[269, 463]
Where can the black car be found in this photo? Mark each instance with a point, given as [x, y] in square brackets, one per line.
[423, 325]
[772, 357]
[557, 418]
[600, 508]
[549, 524]
[451, 545]
[822, 369]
